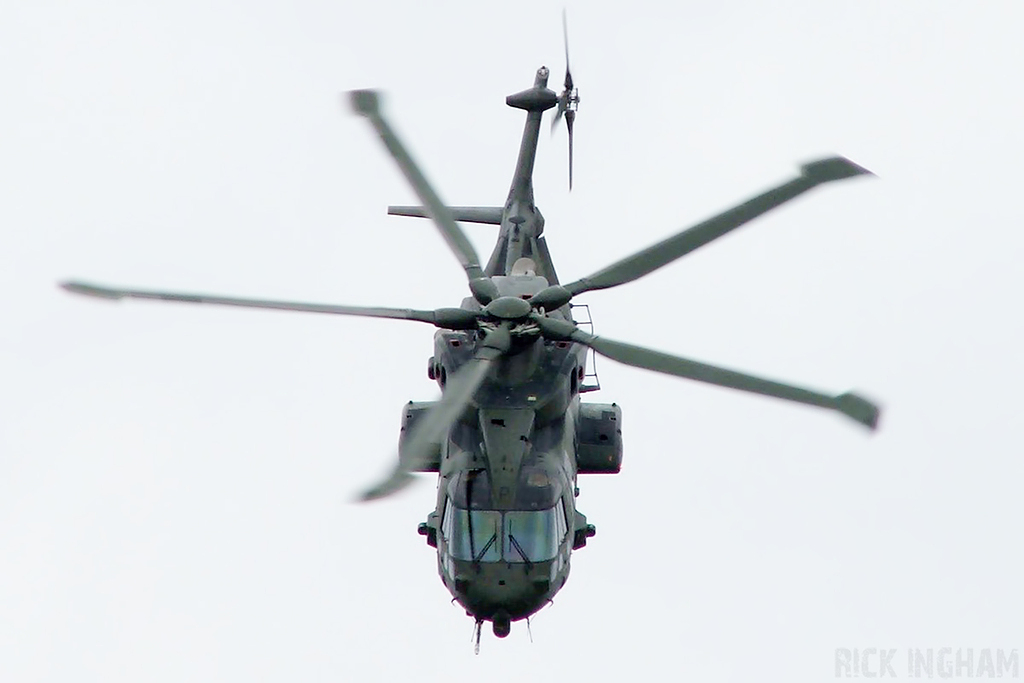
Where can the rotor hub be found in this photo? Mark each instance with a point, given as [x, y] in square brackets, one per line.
[509, 308]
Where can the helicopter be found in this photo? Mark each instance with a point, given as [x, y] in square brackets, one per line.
[510, 434]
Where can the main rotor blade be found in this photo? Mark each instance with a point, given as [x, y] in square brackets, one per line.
[440, 317]
[367, 103]
[668, 250]
[851, 405]
[433, 426]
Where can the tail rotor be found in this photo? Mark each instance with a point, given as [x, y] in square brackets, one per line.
[569, 100]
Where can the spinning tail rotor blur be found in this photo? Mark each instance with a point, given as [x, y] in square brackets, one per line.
[569, 100]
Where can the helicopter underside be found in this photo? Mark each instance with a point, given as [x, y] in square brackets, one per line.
[492, 591]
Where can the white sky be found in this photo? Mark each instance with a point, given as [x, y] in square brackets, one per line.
[175, 481]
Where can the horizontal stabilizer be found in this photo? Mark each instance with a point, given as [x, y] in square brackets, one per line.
[467, 214]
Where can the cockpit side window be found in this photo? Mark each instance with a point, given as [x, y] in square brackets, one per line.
[446, 520]
[561, 520]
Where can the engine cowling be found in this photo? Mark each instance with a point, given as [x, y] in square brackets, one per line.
[599, 439]
[413, 411]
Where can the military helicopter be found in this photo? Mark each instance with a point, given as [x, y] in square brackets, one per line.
[510, 434]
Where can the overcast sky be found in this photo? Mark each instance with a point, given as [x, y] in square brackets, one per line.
[176, 481]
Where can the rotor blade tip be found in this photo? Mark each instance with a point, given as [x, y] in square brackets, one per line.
[373, 494]
[397, 481]
[90, 290]
[364, 102]
[832, 168]
[860, 409]
[368, 496]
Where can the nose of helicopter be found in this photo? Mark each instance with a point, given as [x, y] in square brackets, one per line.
[501, 592]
